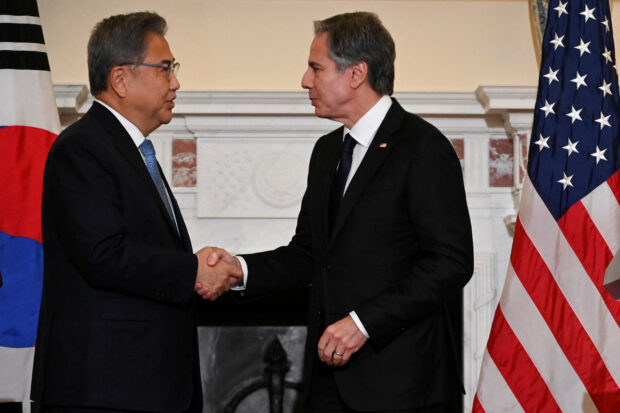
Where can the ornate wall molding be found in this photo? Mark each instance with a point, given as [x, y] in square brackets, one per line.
[515, 106]
[479, 300]
[75, 98]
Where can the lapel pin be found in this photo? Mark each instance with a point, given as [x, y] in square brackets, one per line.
[383, 145]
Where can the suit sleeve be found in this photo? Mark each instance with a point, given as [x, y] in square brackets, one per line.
[436, 202]
[288, 266]
[84, 202]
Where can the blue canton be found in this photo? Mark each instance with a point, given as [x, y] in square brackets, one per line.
[574, 146]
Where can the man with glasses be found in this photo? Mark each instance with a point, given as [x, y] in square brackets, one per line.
[116, 328]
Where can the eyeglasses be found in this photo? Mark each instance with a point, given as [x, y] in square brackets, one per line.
[171, 68]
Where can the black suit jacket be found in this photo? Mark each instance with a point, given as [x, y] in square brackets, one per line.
[116, 327]
[399, 254]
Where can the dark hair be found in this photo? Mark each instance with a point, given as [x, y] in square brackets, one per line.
[117, 40]
[361, 37]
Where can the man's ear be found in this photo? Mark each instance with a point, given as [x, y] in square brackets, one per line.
[118, 79]
[359, 74]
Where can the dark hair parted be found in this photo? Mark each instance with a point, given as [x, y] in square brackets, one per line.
[361, 37]
[117, 40]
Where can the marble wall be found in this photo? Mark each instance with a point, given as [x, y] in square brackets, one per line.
[238, 162]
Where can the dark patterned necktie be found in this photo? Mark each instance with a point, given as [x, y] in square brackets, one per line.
[344, 167]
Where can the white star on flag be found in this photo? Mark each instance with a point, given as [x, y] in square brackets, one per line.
[571, 147]
[588, 13]
[599, 154]
[552, 75]
[606, 24]
[606, 88]
[561, 9]
[574, 114]
[566, 180]
[557, 42]
[542, 143]
[548, 108]
[580, 80]
[603, 120]
[583, 47]
[607, 55]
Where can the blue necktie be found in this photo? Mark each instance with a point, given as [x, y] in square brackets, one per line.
[340, 180]
[148, 151]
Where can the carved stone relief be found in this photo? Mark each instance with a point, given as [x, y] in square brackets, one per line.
[276, 178]
[251, 178]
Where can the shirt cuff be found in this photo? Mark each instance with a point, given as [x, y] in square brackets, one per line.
[359, 324]
[244, 268]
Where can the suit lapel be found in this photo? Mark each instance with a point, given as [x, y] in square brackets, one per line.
[326, 164]
[378, 150]
[183, 234]
[131, 153]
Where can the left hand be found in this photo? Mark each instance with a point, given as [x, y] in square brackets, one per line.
[340, 341]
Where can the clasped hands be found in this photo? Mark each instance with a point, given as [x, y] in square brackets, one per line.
[217, 272]
[339, 341]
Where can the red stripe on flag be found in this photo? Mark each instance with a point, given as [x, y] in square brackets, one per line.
[477, 407]
[614, 184]
[518, 369]
[591, 249]
[23, 151]
[563, 323]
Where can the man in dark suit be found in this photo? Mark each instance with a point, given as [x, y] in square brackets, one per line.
[383, 235]
[116, 328]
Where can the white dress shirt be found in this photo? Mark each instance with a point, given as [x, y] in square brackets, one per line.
[363, 132]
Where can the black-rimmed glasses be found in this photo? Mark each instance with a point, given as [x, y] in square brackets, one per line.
[171, 68]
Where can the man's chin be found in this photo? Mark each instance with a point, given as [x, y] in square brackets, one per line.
[165, 117]
[318, 112]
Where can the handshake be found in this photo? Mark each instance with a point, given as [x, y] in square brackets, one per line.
[217, 272]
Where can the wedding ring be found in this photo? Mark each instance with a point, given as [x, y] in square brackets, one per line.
[338, 354]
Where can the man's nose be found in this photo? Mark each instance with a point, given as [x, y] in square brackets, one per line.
[174, 82]
[306, 82]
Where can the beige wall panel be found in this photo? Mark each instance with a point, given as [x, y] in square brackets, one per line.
[263, 44]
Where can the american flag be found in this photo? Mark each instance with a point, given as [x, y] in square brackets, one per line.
[555, 340]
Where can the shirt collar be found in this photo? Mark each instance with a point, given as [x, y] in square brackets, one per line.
[136, 136]
[365, 129]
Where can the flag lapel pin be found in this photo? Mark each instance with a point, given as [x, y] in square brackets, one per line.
[383, 145]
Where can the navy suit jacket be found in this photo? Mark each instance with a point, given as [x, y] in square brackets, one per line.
[116, 327]
[399, 253]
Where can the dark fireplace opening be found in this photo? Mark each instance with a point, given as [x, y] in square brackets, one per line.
[251, 352]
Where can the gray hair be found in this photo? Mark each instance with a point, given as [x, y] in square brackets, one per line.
[119, 40]
[361, 37]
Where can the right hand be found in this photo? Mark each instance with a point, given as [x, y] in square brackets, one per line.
[217, 272]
